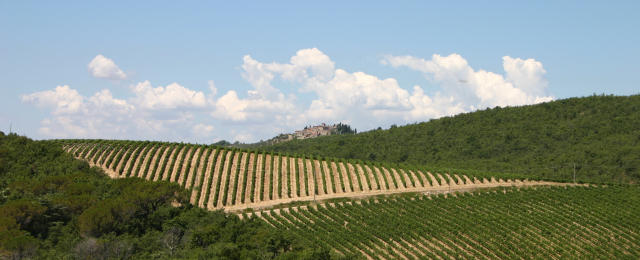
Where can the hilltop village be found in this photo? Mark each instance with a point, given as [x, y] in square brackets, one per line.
[314, 131]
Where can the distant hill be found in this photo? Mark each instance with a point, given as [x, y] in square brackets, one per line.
[597, 137]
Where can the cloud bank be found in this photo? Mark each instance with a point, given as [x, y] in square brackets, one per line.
[321, 92]
[152, 113]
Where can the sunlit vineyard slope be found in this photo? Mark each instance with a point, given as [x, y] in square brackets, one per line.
[238, 179]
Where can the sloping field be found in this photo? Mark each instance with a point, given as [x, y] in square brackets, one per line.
[509, 223]
[234, 180]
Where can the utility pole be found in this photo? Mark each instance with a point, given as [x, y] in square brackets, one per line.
[10, 126]
[315, 185]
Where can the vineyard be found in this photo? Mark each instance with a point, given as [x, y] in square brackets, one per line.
[382, 211]
[541, 222]
[234, 180]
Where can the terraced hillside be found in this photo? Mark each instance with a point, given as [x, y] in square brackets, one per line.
[235, 179]
[510, 223]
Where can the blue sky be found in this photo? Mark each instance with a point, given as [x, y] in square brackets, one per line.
[201, 72]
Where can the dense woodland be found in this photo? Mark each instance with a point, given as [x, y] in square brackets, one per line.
[54, 206]
[596, 137]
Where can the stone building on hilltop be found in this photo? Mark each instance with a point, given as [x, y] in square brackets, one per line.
[315, 131]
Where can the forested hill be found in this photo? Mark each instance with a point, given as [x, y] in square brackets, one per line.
[598, 136]
[53, 206]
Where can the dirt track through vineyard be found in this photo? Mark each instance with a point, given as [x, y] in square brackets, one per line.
[131, 171]
[327, 176]
[196, 194]
[354, 178]
[111, 165]
[161, 163]
[337, 178]
[184, 164]
[216, 176]
[318, 177]
[304, 185]
[275, 183]
[241, 180]
[122, 163]
[233, 176]
[284, 183]
[193, 173]
[143, 166]
[104, 162]
[439, 189]
[266, 190]
[293, 177]
[207, 176]
[100, 161]
[259, 173]
[250, 179]
[152, 167]
[311, 181]
[224, 183]
[176, 164]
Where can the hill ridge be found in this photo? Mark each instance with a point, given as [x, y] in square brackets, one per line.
[594, 139]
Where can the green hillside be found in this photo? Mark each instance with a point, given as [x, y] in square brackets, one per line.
[597, 137]
[53, 206]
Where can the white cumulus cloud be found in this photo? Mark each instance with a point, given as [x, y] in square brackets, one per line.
[74, 115]
[62, 99]
[523, 83]
[170, 97]
[160, 113]
[339, 95]
[103, 67]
